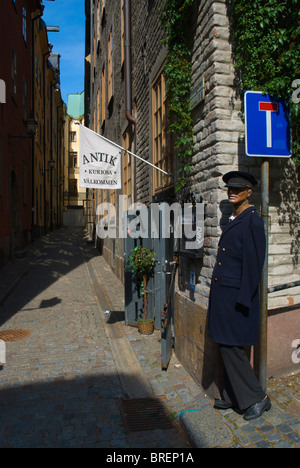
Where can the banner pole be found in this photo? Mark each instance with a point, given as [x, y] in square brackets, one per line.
[126, 151]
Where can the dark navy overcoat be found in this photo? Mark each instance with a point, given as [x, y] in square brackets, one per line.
[234, 310]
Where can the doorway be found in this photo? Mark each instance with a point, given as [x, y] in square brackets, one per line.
[160, 287]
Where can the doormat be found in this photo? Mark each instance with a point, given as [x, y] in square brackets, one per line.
[144, 414]
[14, 335]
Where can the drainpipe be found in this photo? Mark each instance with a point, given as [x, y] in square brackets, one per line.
[128, 78]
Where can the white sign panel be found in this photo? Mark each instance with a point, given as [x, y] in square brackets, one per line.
[267, 127]
[100, 161]
[2, 352]
[2, 92]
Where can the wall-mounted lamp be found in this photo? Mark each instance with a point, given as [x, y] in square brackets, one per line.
[31, 126]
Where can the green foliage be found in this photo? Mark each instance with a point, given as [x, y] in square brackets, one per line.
[141, 261]
[266, 40]
[175, 16]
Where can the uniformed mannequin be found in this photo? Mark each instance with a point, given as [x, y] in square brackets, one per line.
[234, 311]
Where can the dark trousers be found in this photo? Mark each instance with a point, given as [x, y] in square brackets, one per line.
[241, 387]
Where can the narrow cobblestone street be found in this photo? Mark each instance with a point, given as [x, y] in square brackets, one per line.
[60, 386]
[62, 383]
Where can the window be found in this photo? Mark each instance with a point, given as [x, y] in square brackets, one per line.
[24, 14]
[161, 142]
[110, 66]
[73, 137]
[73, 190]
[73, 160]
[14, 73]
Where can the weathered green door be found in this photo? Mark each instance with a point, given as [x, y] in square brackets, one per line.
[134, 300]
[158, 286]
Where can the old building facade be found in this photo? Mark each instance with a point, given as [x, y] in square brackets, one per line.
[74, 195]
[126, 102]
[30, 128]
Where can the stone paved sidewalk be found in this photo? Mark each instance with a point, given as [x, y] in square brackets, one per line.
[205, 426]
[60, 386]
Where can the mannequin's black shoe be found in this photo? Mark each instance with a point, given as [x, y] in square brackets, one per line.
[222, 404]
[258, 409]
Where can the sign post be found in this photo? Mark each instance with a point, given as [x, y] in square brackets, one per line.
[263, 337]
[267, 135]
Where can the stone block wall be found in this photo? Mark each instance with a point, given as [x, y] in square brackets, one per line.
[219, 147]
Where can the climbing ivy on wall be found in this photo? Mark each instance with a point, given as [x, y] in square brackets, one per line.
[266, 37]
[266, 50]
[175, 17]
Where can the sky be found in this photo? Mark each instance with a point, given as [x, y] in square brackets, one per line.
[69, 15]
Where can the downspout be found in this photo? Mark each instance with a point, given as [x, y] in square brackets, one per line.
[128, 78]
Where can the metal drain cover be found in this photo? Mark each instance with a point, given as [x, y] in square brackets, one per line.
[14, 335]
[144, 414]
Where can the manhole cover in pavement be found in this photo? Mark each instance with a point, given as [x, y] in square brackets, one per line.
[14, 335]
[144, 414]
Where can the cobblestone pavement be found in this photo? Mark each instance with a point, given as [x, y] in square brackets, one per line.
[60, 387]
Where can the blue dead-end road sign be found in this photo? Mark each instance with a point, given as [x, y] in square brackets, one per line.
[267, 128]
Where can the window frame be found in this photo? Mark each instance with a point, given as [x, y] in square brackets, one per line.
[162, 140]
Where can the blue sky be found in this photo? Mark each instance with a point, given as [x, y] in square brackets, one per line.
[69, 15]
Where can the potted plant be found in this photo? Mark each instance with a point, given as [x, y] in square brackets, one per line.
[141, 262]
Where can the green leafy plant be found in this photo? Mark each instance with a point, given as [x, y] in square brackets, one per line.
[141, 263]
[175, 16]
[266, 51]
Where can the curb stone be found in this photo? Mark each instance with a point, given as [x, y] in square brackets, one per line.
[204, 428]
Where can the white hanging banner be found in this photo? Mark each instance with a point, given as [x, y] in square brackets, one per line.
[100, 161]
